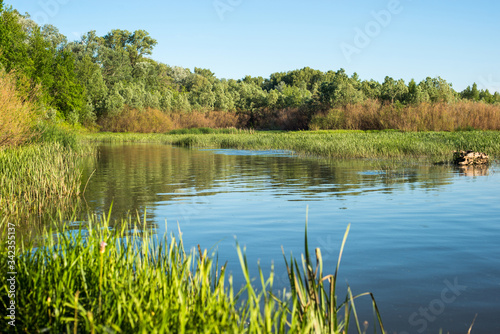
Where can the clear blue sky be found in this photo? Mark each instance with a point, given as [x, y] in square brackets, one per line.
[457, 40]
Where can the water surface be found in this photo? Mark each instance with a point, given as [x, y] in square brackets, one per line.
[424, 238]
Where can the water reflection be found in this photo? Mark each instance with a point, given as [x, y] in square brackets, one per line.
[138, 176]
[472, 171]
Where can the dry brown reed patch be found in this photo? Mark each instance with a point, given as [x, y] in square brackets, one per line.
[141, 121]
[209, 119]
[156, 121]
[372, 115]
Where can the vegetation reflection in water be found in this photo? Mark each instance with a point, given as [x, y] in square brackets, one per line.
[139, 176]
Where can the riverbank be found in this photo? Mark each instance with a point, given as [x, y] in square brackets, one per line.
[432, 146]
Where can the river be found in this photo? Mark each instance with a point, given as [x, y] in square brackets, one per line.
[424, 238]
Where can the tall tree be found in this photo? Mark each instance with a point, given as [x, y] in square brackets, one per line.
[67, 92]
[136, 44]
[438, 90]
[340, 91]
[53, 36]
[90, 77]
[140, 45]
[393, 90]
[13, 46]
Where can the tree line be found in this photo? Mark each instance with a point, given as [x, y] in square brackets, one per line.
[99, 77]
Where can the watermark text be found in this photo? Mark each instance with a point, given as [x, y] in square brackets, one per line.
[11, 274]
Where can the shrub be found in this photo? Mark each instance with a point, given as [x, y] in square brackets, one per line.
[133, 120]
[17, 114]
[50, 132]
[210, 119]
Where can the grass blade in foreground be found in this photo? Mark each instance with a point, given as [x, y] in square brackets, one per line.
[317, 301]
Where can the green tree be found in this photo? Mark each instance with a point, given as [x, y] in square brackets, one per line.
[272, 99]
[136, 44]
[206, 73]
[223, 98]
[89, 45]
[470, 93]
[139, 45]
[115, 66]
[90, 77]
[201, 94]
[371, 89]
[180, 102]
[42, 57]
[415, 95]
[340, 91]
[393, 90]
[292, 96]
[13, 46]
[68, 94]
[438, 90]
[52, 35]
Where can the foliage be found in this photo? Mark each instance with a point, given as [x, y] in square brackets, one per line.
[134, 120]
[98, 77]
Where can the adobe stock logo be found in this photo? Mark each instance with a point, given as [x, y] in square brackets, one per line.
[425, 315]
[224, 6]
[490, 83]
[50, 8]
[372, 29]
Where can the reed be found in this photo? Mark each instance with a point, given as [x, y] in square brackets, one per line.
[39, 176]
[156, 121]
[432, 146]
[96, 279]
[373, 115]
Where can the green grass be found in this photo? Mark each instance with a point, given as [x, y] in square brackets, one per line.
[197, 131]
[434, 146]
[49, 133]
[71, 282]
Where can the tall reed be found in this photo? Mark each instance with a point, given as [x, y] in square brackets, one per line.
[38, 176]
[156, 121]
[433, 146]
[372, 115]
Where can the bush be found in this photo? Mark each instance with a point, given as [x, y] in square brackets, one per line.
[133, 120]
[211, 119]
[333, 120]
[17, 114]
[49, 132]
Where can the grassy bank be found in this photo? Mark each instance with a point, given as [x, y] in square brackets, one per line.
[123, 280]
[435, 146]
